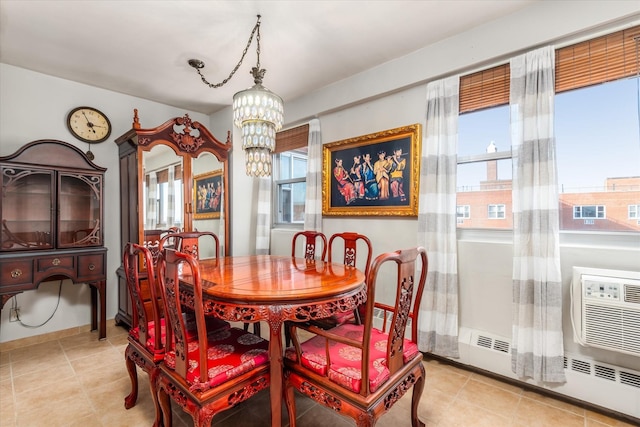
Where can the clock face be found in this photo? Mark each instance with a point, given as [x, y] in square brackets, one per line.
[88, 124]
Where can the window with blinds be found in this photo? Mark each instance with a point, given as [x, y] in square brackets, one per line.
[290, 176]
[596, 85]
[291, 139]
[484, 89]
[599, 60]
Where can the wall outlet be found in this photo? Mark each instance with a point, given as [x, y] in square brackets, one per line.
[13, 314]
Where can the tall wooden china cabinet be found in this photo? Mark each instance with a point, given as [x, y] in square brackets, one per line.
[162, 170]
[52, 222]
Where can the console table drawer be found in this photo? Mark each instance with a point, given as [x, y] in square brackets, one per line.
[91, 266]
[17, 272]
[65, 262]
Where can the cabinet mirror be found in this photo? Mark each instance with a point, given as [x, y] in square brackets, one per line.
[172, 177]
[163, 201]
[168, 202]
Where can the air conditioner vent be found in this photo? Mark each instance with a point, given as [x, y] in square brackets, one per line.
[605, 372]
[581, 366]
[484, 341]
[632, 294]
[502, 346]
[629, 378]
[606, 309]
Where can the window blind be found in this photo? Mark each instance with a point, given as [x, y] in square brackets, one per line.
[163, 175]
[484, 89]
[291, 139]
[599, 60]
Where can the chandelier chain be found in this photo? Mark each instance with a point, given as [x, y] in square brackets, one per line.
[255, 30]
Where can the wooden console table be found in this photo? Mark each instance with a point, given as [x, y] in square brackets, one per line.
[24, 271]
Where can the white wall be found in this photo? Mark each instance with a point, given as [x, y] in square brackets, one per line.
[35, 106]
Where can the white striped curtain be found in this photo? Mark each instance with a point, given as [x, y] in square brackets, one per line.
[171, 198]
[537, 347]
[263, 217]
[152, 202]
[313, 201]
[438, 326]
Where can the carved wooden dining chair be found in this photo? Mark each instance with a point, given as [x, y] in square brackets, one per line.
[152, 241]
[213, 373]
[190, 242]
[312, 241]
[146, 338]
[361, 371]
[343, 247]
[199, 244]
[146, 341]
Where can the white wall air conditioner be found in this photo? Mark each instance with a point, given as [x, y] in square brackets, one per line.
[606, 309]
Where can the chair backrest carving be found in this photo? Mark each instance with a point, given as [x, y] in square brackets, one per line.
[171, 263]
[189, 242]
[350, 246]
[311, 241]
[349, 256]
[152, 240]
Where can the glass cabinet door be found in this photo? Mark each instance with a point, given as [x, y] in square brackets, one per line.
[79, 201]
[27, 207]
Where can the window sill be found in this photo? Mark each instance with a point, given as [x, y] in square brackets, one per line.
[618, 240]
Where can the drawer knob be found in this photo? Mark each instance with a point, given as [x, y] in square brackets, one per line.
[16, 273]
[56, 261]
[92, 267]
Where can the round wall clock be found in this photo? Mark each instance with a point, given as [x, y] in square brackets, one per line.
[89, 125]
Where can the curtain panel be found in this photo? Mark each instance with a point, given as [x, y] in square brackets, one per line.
[171, 197]
[152, 202]
[537, 342]
[263, 217]
[438, 327]
[313, 201]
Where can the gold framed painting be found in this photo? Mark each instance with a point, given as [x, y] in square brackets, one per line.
[373, 175]
[207, 195]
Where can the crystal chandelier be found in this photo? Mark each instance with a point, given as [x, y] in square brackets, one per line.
[257, 111]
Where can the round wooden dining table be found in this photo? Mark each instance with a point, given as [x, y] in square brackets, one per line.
[275, 289]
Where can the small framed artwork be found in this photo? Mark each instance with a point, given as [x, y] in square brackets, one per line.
[207, 195]
[373, 175]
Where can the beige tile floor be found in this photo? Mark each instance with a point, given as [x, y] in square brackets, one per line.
[80, 381]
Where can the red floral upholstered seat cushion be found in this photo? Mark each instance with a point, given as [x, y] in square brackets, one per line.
[213, 324]
[346, 360]
[230, 352]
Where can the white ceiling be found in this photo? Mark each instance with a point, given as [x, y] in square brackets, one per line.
[141, 48]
